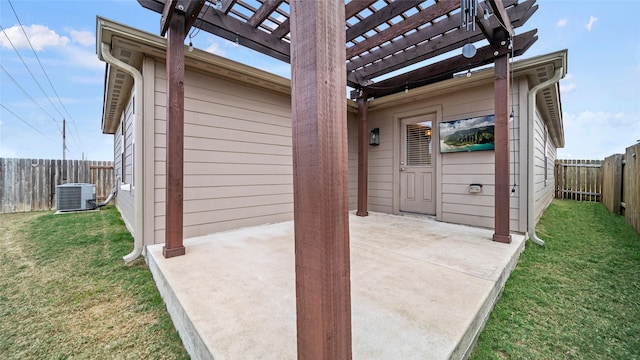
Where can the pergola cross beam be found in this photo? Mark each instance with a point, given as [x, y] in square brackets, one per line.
[167, 13]
[192, 12]
[500, 12]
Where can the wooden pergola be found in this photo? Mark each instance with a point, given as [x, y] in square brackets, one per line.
[331, 45]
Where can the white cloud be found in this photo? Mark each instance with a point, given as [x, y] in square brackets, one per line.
[40, 36]
[592, 20]
[562, 22]
[566, 84]
[598, 134]
[85, 38]
[214, 48]
[84, 58]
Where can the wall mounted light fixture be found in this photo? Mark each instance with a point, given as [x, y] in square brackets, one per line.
[374, 137]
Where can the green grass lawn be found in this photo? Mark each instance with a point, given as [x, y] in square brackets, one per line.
[66, 293]
[578, 297]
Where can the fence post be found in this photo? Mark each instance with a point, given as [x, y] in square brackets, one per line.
[574, 180]
[631, 186]
[556, 174]
[3, 170]
[612, 183]
[51, 172]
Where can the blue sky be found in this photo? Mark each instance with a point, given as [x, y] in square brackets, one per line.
[600, 95]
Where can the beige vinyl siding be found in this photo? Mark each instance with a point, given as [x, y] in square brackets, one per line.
[125, 199]
[237, 156]
[543, 188]
[454, 171]
[458, 170]
[381, 163]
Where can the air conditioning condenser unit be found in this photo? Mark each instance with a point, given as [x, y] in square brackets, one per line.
[75, 197]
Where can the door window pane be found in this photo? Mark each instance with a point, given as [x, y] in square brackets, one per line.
[419, 144]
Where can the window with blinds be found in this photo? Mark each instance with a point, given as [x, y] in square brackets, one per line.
[418, 144]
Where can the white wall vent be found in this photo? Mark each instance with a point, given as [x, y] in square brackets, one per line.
[75, 196]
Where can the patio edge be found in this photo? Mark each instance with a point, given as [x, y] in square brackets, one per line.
[191, 339]
[467, 342]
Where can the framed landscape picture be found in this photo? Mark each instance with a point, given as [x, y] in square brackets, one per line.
[474, 134]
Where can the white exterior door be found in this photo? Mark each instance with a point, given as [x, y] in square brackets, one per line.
[417, 165]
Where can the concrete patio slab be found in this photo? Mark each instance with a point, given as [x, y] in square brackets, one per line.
[420, 289]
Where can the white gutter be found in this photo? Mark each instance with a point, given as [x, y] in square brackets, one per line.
[138, 232]
[531, 221]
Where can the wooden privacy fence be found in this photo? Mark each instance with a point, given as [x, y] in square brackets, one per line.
[578, 179]
[30, 184]
[621, 185]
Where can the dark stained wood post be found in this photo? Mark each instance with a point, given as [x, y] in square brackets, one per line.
[363, 156]
[173, 245]
[501, 93]
[320, 179]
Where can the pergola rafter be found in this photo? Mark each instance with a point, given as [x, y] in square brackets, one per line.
[382, 36]
[414, 48]
[385, 14]
[447, 68]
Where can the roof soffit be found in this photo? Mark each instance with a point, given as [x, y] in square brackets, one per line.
[130, 45]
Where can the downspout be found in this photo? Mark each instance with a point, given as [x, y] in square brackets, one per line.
[531, 226]
[138, 237]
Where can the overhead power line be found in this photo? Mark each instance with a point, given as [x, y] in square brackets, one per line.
[30, 97]
[29, 70]
[26, 122]
[46, 75]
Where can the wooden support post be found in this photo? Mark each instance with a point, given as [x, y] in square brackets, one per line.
[173, 245]
[501, 93]
[363, 156]
[320, 179]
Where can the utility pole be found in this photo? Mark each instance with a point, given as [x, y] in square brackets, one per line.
[64, 138]
[64, 149]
